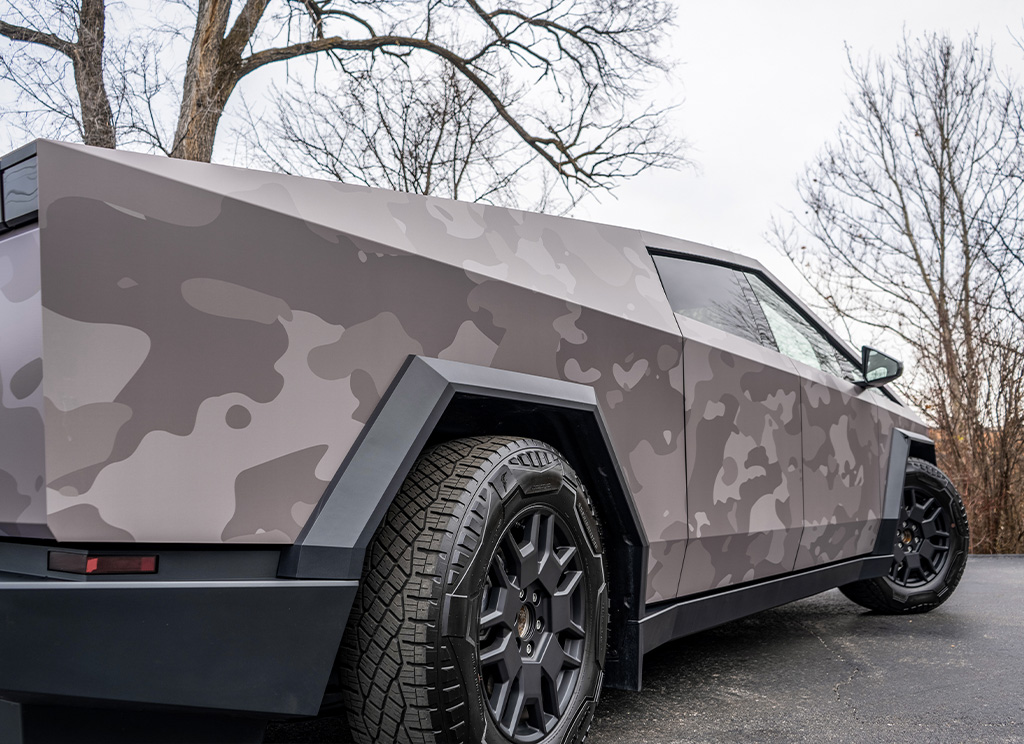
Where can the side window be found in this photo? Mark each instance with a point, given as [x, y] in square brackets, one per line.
[712, 294]
[794, 336]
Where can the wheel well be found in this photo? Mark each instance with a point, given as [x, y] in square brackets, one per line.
[577, 434]
[923, 450]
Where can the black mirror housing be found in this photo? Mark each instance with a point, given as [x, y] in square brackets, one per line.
[878, 368]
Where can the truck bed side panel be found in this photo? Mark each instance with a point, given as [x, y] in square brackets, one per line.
[22, 492]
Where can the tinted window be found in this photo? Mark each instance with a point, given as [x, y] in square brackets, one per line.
[712, 294]
[794, 335]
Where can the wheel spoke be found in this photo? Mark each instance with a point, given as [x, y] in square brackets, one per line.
[499, 609]
[528, 550]
[930, 528]
[555, 563]
[546, 539]
[500, 696]
[573, 651]
[562, 614]
[550, 570]
[551, 658]
[913, 563]
[549, 721]
[514, 709]
[501, 574]
[504, 656]
[532, 636]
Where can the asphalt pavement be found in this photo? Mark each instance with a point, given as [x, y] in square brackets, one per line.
[824, 670]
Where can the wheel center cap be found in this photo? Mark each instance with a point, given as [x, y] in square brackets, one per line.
[907, 537]
[524, 621]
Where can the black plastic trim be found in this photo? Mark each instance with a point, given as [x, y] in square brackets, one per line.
[694, 614]
[903, 443]
[263, 647]
[78, 724]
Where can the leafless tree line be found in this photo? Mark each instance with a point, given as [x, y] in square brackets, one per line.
[914, 226]
[455, 96]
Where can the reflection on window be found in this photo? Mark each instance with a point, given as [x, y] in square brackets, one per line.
[796, 338]
[789, 339]
[712, 294]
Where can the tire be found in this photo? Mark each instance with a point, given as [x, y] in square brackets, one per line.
[482, 614]
[930, 551]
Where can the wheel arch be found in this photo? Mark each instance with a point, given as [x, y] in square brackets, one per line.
[432, 401]
[905, 444]
[923, 449]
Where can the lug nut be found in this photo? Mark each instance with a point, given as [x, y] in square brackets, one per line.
[535, 598]
[538, 625]
[529, 648]
[522, 594]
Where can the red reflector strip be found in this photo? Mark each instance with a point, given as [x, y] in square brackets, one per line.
[83, 563]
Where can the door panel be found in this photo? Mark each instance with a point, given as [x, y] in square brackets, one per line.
[743, 457]
[842, 465]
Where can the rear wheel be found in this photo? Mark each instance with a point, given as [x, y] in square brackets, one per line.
[483, 609]
[930, 549]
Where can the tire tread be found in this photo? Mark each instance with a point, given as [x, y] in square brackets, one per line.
[877, 594]
[394, 687]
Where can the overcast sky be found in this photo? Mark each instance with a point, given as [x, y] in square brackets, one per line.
[763, 86]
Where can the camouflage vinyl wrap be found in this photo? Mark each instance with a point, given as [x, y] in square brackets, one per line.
[22, 470]
[190, 351]
[842, 491]
[214, 340]
[745, 481]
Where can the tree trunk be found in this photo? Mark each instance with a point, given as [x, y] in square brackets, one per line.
[87, 60]
[207, 84]
[198, 129]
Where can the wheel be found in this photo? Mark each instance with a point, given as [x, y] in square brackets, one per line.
[930, 550]
[482, 613]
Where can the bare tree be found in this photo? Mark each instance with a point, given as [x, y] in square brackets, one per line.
[560, 76]
[430, 132]
[914, 214]
[68, 33]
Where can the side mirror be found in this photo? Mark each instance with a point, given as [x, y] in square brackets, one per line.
[878, 368]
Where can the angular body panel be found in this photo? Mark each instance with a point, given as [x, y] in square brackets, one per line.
[206, 344]
[224, 335]
[22, 447]
[194, 357]
[744, 477]
[842, 493]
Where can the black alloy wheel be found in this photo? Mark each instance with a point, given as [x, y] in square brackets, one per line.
[532, 629]
[482, 615]
[922, 539]
[929, 551]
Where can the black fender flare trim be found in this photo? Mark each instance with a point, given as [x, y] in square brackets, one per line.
[905, 444]
[333, 543]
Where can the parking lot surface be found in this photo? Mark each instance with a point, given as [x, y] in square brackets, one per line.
[823, 670]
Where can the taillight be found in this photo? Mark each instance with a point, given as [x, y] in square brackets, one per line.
[92, 565]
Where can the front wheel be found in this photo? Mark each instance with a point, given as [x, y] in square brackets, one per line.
[483, 610]
[930, 549]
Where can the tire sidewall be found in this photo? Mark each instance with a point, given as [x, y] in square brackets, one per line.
[507, 502]
[925, 476]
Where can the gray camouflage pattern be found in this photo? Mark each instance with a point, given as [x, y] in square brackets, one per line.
[745, 483]
[842, 493]
[22, 447]
[196, 348]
